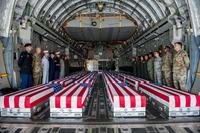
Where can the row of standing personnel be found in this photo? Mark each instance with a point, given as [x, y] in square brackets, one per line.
[170, 69]
[35, 69]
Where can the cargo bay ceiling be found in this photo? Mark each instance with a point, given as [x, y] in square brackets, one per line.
[144, 14]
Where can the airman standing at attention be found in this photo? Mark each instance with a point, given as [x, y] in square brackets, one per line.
[57, 65]
[138, 66]
[67, 65]
[51, 66]
[142, 63]
[45, 63]
[37, 67]
[62, 67]
[167, 66]
[181, 64]
[157, 68]
[143, 67]
[134, 63]
[146, 58]
[150, 67]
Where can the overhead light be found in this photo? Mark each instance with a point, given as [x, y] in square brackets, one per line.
[23, 23]
[100, 6]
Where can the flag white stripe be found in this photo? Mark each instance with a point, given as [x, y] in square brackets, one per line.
[42, 94]
[171, 98]
[63, 97]
[154, 96]
[22, 97]
[137, 97]
[125, 95]
[182, 97]
[74, 97]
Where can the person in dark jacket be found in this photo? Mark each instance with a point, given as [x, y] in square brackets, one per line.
[57, 65]
[25, 65]
[51, 66]
[62, 67]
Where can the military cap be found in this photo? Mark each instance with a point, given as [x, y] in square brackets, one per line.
[27, 45]
[57, 52]
[167, 47]
[45, 51]
[177, 41]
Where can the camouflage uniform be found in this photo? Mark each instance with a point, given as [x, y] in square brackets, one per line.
[142, 69]
[138, 68]
[180, 65]
[150, 69]
[134, 68]
[157, 70]
[145, 76]
[37, 69]
[167, 68]
[146, 70]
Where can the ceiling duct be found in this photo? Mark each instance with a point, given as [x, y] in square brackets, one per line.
[39, 30]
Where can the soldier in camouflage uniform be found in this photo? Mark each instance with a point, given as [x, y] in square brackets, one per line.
[134, 63]
[146, 58]
[167, 66]
[150, 67]
[157, 68]
[138, 66]
[180, 66]
[142, 63]
[37, 66]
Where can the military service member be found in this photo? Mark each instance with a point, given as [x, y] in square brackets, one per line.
[180, 66]
[167, 66]
[146, 58]
[25, 65]
[134, 63]
[157, 68]
[150, 67]
[141, 67]
[67, 65]
[37, 67]
[45, 63]
[57, 65]
[138, 66]
[51, 66]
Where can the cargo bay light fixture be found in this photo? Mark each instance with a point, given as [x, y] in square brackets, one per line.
[100, 6]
